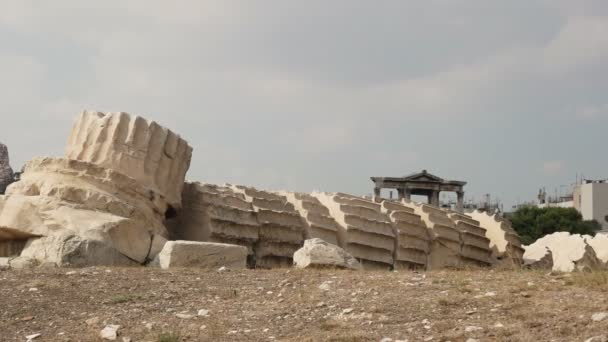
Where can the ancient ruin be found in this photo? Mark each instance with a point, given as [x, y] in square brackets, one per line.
[412, 246]
[6, 172]
[504, 241]
[120, 198]
[80, 212]
[143, 150]
[422, 183]
[365, 231]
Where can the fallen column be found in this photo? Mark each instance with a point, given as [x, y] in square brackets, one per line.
[143, 150]
[281, 231]
[504, 241]
[413, 243]
[475, 246]
[100, 207]
[365, 231]
[216, 213]
[445, 238]
[318, 222]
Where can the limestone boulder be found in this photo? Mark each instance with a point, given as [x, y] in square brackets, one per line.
[570, 252]
[539, 261]
[319, 253]
[59, 196]
[4, 263]
[599, 243]
[6, 172]
[202, 255]
[154, 156]
[70, 250]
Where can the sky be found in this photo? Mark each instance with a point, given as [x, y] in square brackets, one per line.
[509, 96]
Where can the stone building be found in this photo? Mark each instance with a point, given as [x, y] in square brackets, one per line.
[421, 183]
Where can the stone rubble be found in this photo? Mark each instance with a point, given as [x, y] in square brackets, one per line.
[110, 332]
[319, 253]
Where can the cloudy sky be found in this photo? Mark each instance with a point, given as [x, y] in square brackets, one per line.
[320, 95]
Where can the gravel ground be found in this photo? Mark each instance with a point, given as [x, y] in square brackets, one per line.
[301, 305]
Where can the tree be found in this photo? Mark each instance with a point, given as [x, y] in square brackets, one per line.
[532, 223]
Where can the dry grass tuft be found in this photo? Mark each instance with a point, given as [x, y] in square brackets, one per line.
[594, 280]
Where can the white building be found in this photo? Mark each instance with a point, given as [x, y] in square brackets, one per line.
[591, 200]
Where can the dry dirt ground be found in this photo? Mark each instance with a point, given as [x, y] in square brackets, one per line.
[301, 305]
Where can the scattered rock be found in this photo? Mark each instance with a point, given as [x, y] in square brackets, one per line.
[202, 254]
[326, 285]
[203, 313]
[600, 316]
[319, 253]
[599, 338]
[92, 321]
[472, 329]
[4, 264]
[22, 262]
[33, 336]
[184, 316]
[110, 332]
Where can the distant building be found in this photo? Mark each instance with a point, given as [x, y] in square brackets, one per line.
[591, 200]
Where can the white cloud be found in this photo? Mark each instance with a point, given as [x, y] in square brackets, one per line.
[551, 168]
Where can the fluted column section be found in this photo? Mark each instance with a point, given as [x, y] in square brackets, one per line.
[143, 150]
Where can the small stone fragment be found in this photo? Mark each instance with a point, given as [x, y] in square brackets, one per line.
[319, 253]
[472, 329]
[326, 285]
[600, 316]
[184, 316]
[33, 336]
[110, 332]
[92, 321]
[599, 338]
